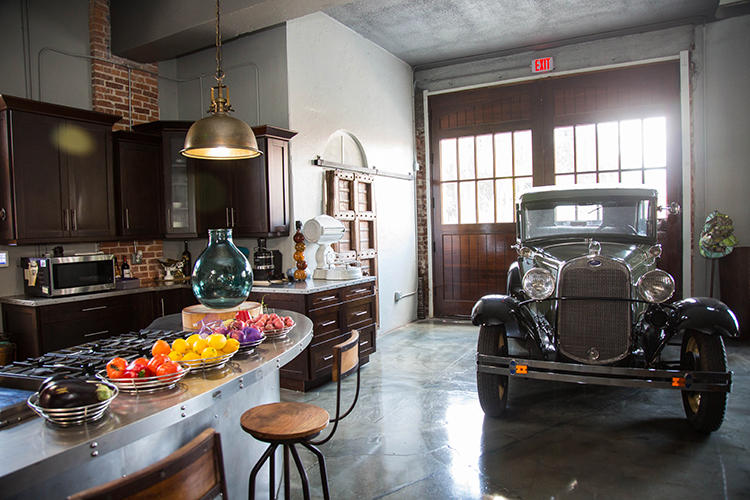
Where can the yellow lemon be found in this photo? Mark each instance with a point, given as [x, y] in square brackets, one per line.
[217, 341]
[200, 345]
[232, 345]
[209, 352]
[175, 356]
[191, 358]
[180, 346]
[191, 339]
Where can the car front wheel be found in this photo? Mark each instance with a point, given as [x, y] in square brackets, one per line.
[702, 352]
[492, 388]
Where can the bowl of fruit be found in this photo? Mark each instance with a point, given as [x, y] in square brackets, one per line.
[66, 401]
[272, 325]
[204, 350]
[162, 371]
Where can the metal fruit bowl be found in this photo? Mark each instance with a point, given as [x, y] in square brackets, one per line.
[209, 363]
[249, 346]
[277, 334]
[146, 384]
[65, 417]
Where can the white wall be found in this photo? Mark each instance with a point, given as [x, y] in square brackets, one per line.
[722, 132]
[340, 81]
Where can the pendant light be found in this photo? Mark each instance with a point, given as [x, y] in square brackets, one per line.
[220, 136]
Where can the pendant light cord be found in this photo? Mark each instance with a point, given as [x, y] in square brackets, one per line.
[219, 72]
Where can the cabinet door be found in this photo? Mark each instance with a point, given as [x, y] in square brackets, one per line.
[249, 195]
[179, 183]
[138, 171]
[90, 180]
[40, 185]
[213, 188]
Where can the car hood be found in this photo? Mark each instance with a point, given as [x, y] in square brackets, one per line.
[632, 255]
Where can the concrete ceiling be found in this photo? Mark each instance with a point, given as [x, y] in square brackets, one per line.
[421, 32]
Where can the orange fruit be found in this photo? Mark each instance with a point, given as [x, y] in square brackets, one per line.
[161, 347]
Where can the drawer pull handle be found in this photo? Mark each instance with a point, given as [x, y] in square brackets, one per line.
[364, 342]
[360, 313]
[95, 333]
[361, 290]
[326, 358]
[330, 297]
[87, 309]
[327, 323]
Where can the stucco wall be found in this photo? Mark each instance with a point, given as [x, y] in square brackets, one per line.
[340, 81]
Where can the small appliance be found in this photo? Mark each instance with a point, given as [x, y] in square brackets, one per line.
[56, 276]
[263, 262]
[325, 230]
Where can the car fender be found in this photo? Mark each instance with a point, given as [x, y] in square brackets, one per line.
[704, 314]
[496, 310]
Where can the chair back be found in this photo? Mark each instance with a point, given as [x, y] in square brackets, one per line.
[194, 472]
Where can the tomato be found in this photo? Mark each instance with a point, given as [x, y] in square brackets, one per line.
[161, 347]
[116, 367]
[168, 368]
[139, 366]
[157, 361]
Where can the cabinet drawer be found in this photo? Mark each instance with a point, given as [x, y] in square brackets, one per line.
[321, 355]
[325, 326]
[366, 341]
[359, 291]
[84, 309]
[359, 314]
[71, 333]
[326, 298]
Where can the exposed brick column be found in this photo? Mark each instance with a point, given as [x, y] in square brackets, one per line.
[111, 88]
[423, 192]
[149, 268]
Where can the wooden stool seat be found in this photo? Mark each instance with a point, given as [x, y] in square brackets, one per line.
[284, 421]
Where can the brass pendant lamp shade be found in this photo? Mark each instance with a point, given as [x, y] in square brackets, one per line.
[220, 136]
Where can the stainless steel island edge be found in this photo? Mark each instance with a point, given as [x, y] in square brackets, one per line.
[39, 460]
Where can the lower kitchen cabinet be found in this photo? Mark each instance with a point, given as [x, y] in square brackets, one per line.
[43, 328]
[334, 313]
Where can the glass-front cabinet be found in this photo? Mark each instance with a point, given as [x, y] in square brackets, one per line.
[179, 178]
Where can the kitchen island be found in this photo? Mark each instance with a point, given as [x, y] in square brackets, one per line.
[39, 460]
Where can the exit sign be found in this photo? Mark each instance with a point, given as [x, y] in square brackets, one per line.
[542, 65]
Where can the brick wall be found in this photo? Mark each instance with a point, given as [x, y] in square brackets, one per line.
[119, 86]
[423, 191]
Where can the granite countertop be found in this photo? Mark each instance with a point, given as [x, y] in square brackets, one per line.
[299, 287]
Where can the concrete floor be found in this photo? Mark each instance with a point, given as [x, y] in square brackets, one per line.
[418, 432]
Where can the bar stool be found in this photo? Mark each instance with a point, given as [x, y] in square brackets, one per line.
[288, 424]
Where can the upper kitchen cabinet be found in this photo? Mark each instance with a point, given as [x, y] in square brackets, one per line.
[138, 185]
[178, 179]
[251, 197]
[56, 173]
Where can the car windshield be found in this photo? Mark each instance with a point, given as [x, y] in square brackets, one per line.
[618, 218]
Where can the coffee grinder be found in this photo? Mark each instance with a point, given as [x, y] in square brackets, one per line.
[263, 262]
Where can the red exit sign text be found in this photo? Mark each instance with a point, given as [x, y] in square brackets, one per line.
[542, 65]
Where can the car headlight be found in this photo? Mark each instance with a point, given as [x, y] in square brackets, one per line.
[538, 283]
[656, 286]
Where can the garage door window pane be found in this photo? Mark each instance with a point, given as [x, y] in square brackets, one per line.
[448, 169]
[486, 201]
[466, 158]
[468, 202]
[564, 150]
[450, 203]
[522, 152]
[504, 154]
[485, 165]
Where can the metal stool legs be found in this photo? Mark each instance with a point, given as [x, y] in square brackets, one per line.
[270, 453]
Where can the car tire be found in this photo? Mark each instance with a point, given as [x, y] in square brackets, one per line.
[702, 352]
[492, 388]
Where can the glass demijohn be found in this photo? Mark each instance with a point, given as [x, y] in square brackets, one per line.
[222, 276]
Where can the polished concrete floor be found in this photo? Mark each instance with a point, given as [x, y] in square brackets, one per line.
[418, 432]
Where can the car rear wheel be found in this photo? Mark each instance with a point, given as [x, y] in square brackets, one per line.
[702, 352]
[492, 388]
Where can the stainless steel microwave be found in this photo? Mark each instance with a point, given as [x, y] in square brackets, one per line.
[56, 276]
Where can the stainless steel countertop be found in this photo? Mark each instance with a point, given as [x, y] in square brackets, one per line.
[300, 287]
[26, 446]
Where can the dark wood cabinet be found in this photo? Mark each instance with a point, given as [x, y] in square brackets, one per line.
[251, 197]
[56, 173]
[138, 184]
[39, 329]
[178, 177]
[334, 313]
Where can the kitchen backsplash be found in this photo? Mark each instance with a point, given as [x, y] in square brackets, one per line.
[152, 251]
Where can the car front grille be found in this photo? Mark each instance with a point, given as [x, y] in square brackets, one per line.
[594, 331]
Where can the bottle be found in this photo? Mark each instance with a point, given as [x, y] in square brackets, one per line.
[125, 267]
[222, 276]
[187, 262]
[117, 269]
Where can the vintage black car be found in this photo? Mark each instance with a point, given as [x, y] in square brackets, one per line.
[586, 303]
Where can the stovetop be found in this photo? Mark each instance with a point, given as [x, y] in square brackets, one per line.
[82, 361]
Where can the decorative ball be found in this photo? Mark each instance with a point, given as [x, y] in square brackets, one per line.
[300, 274]
[300, 247]
[299, 237]
[301, 264]
[298, 256]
